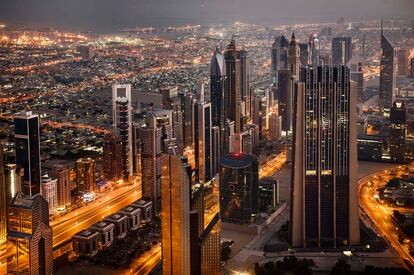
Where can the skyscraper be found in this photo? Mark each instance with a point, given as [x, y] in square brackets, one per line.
[402, 56]
[85, 175]
[202, 140]
[341, 50]
[324, 202]
[30, 236]
[27, 142]
[3, 201]
[294, 56]
[112, 155]
[122, 124]
[279, 56]
[245, 84]
[151, 149]
[357, 75]
[232, 94]
[387, 72]
[175, 216]
[61, 174]
[49, 192]
[398, 132]
[314, 49]
[217, 79]
[239, 188]
[304, 54]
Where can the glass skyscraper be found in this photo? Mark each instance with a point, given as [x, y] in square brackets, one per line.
[324, 203]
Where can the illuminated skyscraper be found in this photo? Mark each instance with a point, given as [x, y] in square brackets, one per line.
[61, 174]
[3, 202]
[217, 78]
[122, 124]
[398, 132]
[151, 149]
[27, 141]
[49, 192]
[30, 236]
[175, 216]
[85, 175]
[239, 188]
[402, 56]
[324, 202]
[13, 177]
[314, 49]
[112, 155]
[279, 56]
[202, 139]
[387, 72]
[232, 93]
[341, 50]
[304, 54]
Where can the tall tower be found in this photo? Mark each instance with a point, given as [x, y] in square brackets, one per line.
[27, 142]
[398, 132]
[203, 139]
[341, 50]
[324, 202]
[294, 56]
[175, 216]
[279, 56]
[61, 173]
[85, 175]
[232, 94]
[31, 235]
[122, 124]
[217, 78]
[151, 150]
[112, 155]
[387, 72]
[3, 202]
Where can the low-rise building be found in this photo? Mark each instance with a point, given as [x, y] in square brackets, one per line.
[120, 221]
[146, 209]
[106, 231]
[134, 217]
[85, 243]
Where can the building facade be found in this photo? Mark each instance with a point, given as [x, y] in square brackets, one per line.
[324, 198]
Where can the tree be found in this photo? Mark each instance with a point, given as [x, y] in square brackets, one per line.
[225, 253]
[341, 268]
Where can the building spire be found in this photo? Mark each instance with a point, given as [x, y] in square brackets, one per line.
[293, 39]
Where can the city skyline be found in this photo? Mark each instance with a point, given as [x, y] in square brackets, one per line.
[207, 148]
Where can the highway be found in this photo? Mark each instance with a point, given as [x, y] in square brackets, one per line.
[379, 214]
[65, 228]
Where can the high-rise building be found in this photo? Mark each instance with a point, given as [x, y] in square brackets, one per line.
[202, 140]
[304, 54]
[49, 192]
[232, 94]
[294, 56]
[27, 142]
[61, 174]
[387, 72]
[402, 56]
[341, 50]
[30, 235]
[245, 85]
[122, 124]
[357, 75]
[3, 201]
[151, 150]
[215, 150]
[85, 175]
[86, 52]
[187, 109]
[279, 56]
[412, 67]
[314, 46]
[275, 127]
[112, 156]
[324, 202]
[177, 124]
[175, 216]
[398, 132]
[284, 99]
[217, 79]
[13, 178]
[239, 179]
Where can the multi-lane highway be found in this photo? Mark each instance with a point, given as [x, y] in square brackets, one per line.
[379, 214]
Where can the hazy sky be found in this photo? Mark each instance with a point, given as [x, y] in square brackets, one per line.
[110, 15]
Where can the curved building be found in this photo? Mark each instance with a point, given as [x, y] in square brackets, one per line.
[239, 189]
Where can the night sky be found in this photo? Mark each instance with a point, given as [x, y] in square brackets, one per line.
[111, 15]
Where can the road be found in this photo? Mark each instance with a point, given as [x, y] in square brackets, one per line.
[378, 213]
[73, 223]
[273, 165]
[145, 263]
